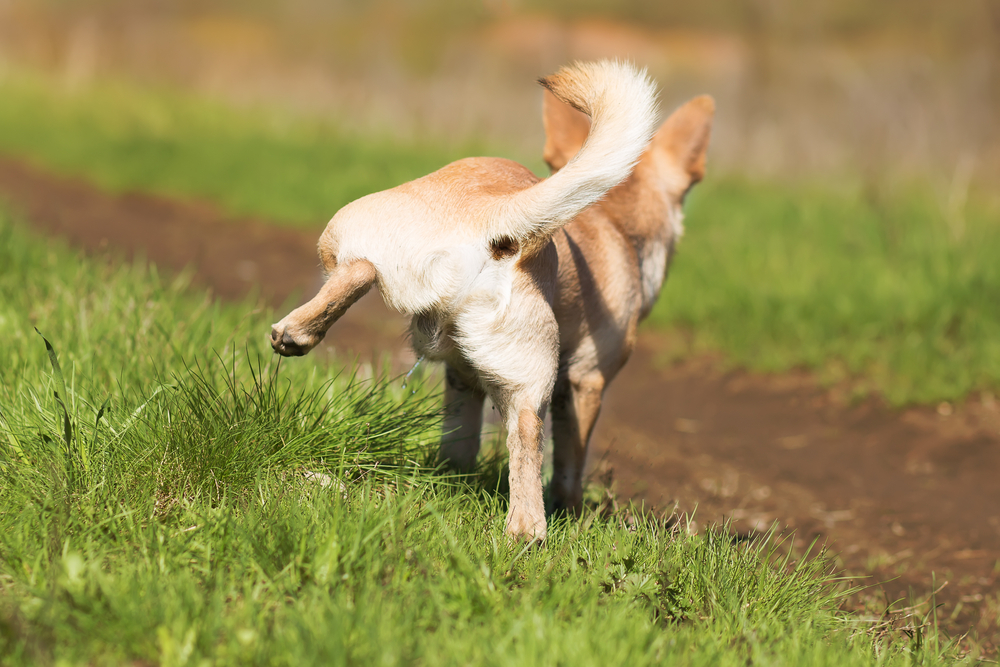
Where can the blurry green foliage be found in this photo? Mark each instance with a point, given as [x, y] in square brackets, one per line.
[854, 283]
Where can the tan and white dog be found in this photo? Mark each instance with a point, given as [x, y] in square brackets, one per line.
[529, 290]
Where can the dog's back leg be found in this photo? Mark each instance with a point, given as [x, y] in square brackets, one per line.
[463, 421]
[303, 328]
[517, 362]
[526, 514]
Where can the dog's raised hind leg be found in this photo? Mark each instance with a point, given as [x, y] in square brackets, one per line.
[303, 328]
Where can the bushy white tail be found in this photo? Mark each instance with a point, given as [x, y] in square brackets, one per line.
[621, 102]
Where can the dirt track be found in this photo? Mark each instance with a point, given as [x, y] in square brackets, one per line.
[896, 494]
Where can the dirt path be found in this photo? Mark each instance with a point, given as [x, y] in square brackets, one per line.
[898, 495]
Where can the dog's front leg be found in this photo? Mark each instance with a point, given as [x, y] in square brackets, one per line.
[463, 422]
[575, 406]
[303, 328]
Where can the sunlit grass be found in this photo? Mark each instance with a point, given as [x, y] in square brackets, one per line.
[169, 495]
[879, 289]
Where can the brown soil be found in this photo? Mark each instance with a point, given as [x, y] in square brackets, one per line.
[899, 495]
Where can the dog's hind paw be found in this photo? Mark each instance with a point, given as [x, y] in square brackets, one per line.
[523, 527]
[285, 345]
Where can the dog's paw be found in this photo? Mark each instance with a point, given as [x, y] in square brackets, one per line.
[286, 345]
[521, 526]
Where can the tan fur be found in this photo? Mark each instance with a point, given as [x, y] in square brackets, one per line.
[613, 259]
[310, 322]
[529, 290]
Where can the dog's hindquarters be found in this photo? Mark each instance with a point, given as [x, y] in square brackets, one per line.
[303, 328]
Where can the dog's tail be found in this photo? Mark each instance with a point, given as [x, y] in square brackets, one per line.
[621, 102]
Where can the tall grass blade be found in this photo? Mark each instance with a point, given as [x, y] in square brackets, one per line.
[61, 383]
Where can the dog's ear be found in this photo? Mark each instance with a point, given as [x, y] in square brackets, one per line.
[565, 131]
[684, 136]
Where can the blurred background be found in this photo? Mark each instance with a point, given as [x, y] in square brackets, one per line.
[843, 89]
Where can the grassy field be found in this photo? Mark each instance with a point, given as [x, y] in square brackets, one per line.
[892, 290]
[887, 292]
[172, 495]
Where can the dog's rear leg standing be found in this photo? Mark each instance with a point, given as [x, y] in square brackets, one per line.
[515, 354]
[526, 515]
[303, 328]
[521, 391]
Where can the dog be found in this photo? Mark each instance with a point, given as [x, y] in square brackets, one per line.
[529, 290]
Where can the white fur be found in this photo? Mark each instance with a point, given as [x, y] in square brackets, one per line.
[425, 265]
[652, 267]
[654, 259]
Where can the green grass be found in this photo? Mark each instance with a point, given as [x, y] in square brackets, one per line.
[875, 287]
[882, 291]
[156, 508]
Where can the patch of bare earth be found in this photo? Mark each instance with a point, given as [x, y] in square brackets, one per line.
[899, 495]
